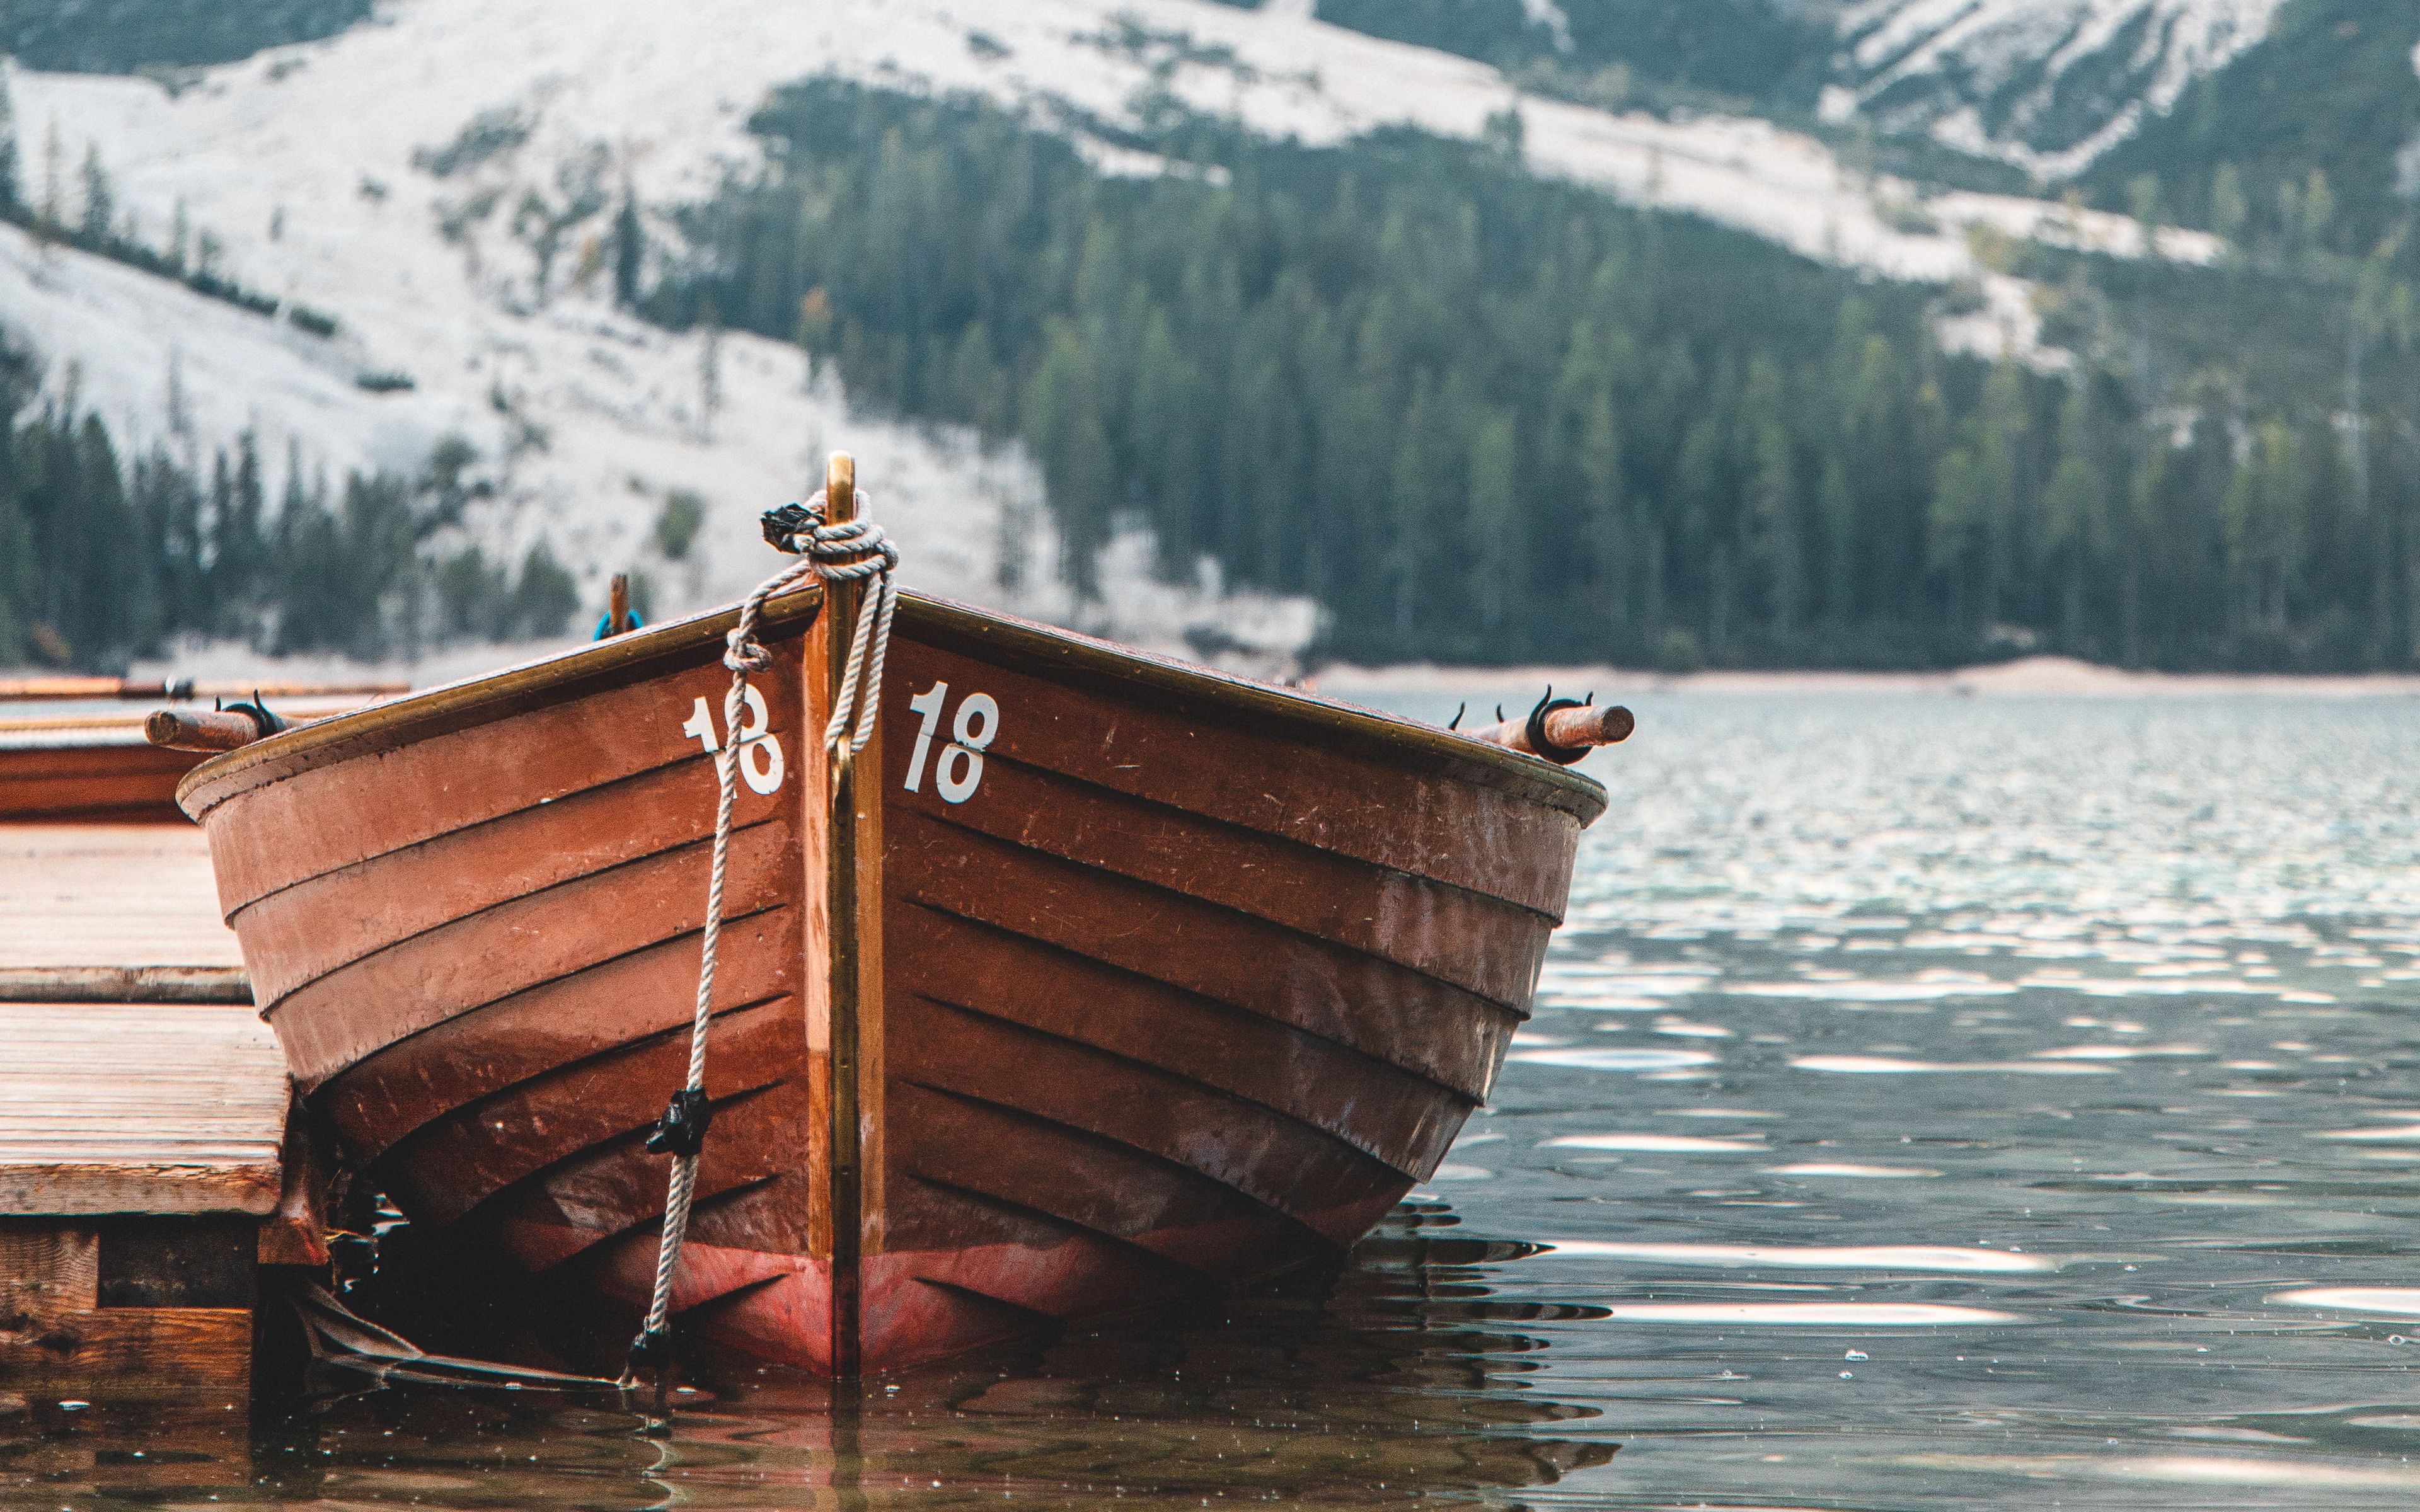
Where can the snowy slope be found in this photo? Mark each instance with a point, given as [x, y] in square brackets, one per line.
[301, 162]
[309, 164]
[2046, 85]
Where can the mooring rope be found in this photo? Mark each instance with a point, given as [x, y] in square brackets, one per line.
[843, 552]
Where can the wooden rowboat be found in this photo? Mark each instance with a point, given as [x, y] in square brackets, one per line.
[1096, 979]
[75, 761]
[90, 767]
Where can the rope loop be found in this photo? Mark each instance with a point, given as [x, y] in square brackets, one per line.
[847, 552]
[843, 552]
[744, 654]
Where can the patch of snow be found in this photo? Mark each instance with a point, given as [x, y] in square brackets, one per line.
[2006, 322]
[121, 339]
[1112, 159]
[1934, 63]
[1549, 14]
[2075, 228]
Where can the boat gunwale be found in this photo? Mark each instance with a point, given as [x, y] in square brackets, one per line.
[469, 701]
[1104, 665]
[1059, 654]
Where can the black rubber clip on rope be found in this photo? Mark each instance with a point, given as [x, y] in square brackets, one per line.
[682, 1129]
[681, 1132]
[653, 1350]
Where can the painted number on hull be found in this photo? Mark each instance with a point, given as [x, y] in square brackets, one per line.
[959, 772]
[760, 753]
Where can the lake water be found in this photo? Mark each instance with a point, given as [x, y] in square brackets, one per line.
[1930, 1102]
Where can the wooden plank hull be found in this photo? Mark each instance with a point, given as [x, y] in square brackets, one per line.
[82, 765]
[1170, 980]
[100, 781]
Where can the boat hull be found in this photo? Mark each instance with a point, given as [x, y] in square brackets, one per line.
[1158, 981]
[74, 776]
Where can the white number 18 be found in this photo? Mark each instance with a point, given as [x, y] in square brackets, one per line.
[959, 772]
[760, 753]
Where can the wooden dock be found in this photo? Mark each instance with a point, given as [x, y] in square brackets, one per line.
[124, 913]
[148, 1172]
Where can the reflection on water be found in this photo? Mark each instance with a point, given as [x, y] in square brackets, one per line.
[1933, 1102]
[1406, 1376]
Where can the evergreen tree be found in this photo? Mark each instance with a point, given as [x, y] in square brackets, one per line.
[1499, 551]
[2073, 536]
[1062, 424]
[99, 203]
[630, 251]
[1773, 507]
[239, 540]
[546, 597]
[2228, 209]
[47, 222]
[1610, 534]
[12, 191]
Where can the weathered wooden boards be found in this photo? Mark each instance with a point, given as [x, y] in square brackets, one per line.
[138, 1108]
[139, 1153]
[141, 1168]
[65, 1326]
[113, 912]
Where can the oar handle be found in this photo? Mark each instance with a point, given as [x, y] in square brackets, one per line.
[200, 730]
[1572, 732]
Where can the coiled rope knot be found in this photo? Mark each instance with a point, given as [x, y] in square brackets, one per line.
[846, 552]
[843, 552]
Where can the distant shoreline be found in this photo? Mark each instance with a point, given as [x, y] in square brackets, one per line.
[2027, 678]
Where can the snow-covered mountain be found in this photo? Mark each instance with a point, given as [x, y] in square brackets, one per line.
[2046, 85]
[318, 172]
[329, 174]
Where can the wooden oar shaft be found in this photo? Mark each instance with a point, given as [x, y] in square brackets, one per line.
[33, 689]
[199, 729]
[1580, 727]
[617, 606]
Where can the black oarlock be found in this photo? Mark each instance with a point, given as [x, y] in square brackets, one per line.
[1543, 745]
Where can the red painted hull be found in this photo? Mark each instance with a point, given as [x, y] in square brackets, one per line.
[1178, 981]
[95, 770]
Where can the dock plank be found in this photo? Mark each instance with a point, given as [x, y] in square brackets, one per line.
[110, 1350]
[144, 1149]
[90, 901]
[139, 1108]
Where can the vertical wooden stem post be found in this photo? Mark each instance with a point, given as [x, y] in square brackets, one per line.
[854, 888]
